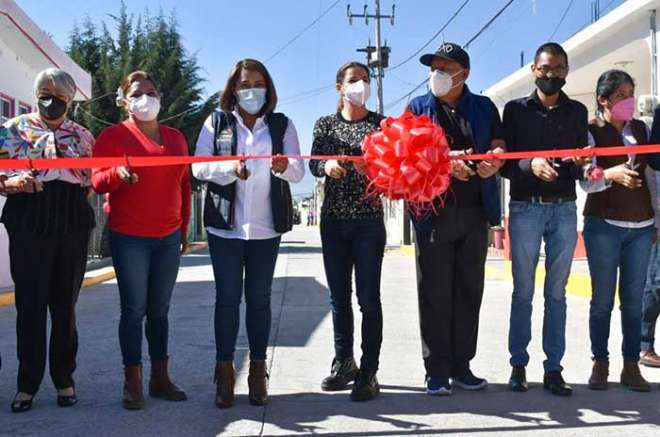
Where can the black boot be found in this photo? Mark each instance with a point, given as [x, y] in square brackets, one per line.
[365, 387]
[518, 379]
[342, 373]
[555, 384]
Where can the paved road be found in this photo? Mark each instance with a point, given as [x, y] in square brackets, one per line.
[300, 353]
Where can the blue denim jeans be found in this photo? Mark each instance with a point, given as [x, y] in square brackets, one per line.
[613, 250]
[651, 300]
[237, 265]
[146, 271]
[529, 225]
[359, 245]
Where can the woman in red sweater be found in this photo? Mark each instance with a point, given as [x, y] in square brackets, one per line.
[148, 221]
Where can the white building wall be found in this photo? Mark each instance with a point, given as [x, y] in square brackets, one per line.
[16, 82]
[17, 78]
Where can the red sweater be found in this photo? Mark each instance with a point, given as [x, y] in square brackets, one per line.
[159, 203]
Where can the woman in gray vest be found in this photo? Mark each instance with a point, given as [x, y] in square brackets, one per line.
[618, 228]
[248, 207]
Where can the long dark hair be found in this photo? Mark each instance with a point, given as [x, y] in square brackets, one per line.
[341, 75]
[608, 83]
[228, 98]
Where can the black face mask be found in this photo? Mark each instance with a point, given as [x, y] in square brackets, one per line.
[51, 108]
[550, 85]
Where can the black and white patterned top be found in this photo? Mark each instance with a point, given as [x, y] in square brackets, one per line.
[345, 198]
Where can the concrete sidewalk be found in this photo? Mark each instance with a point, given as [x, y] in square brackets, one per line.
[300, 353]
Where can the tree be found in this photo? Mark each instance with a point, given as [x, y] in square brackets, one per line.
[145, 42]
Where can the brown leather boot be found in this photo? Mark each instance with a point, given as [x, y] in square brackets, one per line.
[258, 383]
[160, 384]
[599, 374]
[632, 378]
[133, 392]
[224, 384]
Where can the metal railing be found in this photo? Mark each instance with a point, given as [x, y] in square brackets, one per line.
[99, 244]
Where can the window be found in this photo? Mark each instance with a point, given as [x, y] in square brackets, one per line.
[6, 108]
[24, 108]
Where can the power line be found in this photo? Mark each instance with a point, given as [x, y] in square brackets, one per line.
[182, 113]
[442, 29]
[466, 45]
[299, 34]
[561, 20]
[506, 27]
[92, 116]
[487, 25]
[608, 5]
[307, 93]
[308, 96]
[406, 96]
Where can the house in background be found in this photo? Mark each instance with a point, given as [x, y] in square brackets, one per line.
[25, 50]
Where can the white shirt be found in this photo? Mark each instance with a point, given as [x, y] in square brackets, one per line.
[600, 185]
[253, 217]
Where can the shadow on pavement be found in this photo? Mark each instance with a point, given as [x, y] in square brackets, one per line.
[497, 410]
[99, 376]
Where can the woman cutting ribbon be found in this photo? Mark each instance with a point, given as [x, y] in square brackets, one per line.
[618, 228]
[148, 221]
[248, 208]
[48, 219]
[352, 233]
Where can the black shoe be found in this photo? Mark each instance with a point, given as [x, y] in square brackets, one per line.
[555, 384]
[468, 381]
[21, 406]
[366, 387]
[67, 401]
[518, 379]
[342, 373]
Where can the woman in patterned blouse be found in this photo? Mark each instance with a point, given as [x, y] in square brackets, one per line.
[48, 219]
[352, 233]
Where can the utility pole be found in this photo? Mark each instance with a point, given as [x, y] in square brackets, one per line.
[378, 56]
[595, 10]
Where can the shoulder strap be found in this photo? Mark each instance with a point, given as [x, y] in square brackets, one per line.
[277, 125]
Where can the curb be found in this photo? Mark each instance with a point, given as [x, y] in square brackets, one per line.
[8, 298]
[578, 284]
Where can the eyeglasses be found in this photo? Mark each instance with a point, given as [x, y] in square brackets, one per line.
[560, 71]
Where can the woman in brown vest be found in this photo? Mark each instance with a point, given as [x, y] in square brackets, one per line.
[618, 228]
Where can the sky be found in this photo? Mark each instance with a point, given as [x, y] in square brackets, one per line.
[221, 32]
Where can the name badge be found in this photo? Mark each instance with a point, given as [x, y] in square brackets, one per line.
[225, 140]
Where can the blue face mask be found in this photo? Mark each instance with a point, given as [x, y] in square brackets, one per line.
[251, 100]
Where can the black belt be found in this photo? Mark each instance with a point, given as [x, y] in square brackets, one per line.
[544, 199]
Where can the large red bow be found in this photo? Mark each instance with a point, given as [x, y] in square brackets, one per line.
[408, 159]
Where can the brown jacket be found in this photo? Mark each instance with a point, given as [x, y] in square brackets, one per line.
[619, 202]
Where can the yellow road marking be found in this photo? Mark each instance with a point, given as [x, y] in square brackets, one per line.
[579, 284]
[8, 298]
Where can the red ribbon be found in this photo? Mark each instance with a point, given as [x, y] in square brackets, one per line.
[156, 161]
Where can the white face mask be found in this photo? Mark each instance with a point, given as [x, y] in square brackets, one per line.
[441, 83]
[252, 99]
[144, 108]
[357, 93]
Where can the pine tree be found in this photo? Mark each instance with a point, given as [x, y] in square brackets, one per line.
[145, 42]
